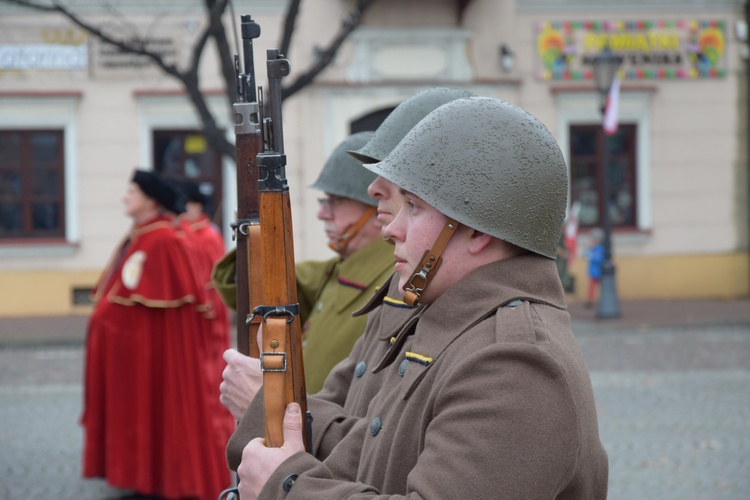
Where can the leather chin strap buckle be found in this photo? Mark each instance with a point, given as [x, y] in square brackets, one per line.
[342, 241]
[428, 266]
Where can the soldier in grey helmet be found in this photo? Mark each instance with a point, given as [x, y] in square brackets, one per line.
[351, 384]
[344, 181]
[488, 393]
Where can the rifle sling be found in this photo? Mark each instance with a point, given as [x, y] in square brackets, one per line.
[342, 241]
[273, 363]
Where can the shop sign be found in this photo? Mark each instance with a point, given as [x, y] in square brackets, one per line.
[112, 57]
[42, 56]
[666, 49]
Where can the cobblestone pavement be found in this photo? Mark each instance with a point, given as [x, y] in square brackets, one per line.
[674, 412]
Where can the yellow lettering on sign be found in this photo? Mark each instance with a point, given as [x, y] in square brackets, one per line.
[195, 144]
[664, 41]
[631, 42]
[594, 41]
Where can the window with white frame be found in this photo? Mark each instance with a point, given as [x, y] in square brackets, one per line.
[32, 184]
[37, 170]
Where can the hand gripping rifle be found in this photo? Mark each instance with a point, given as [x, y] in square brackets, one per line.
[275, 303]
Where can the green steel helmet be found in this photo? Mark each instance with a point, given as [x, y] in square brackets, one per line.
[489, 165]
[402, 119]
[344, 176]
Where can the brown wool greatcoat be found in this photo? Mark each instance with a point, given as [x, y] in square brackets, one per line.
[494, 401]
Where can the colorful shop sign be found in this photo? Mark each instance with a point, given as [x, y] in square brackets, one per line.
[683, 49]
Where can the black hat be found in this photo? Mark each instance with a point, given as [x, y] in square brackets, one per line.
[178, 207]
[193, 193]
[156, 188]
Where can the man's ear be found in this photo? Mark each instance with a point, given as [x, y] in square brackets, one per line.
[479, 241]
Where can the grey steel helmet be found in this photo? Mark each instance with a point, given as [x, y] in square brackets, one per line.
[344, 176]
[402, 119]
[489, 165]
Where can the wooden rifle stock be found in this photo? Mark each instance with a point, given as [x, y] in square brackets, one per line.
[281, 349]
[248, 143]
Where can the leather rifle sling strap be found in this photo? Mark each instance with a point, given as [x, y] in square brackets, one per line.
[431, 260]
[273, 363]
[342, 241]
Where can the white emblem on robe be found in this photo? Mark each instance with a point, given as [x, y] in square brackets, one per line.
[133, 269]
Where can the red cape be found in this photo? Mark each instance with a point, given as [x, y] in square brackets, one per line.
[152, 421]
[206, 247]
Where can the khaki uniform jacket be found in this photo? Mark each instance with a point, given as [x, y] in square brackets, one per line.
[483, 396]
[328, 293]
[348, 388]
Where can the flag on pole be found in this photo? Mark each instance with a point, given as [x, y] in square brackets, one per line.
[611, 109]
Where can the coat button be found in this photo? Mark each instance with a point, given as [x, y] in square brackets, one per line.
[402, 367]
[289, 481]
[375, 426]
[360, 369]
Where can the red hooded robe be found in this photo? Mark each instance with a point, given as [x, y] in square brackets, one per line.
[150, 419]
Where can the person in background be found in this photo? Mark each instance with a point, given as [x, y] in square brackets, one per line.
[149, 412]
[562, 261]
[486, 389]
[206, 233]
[207, 244]
[595, 255]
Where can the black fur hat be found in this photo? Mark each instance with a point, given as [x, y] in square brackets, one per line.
[156, 188]
[193, 193]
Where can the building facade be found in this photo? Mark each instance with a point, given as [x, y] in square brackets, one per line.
[77, 115]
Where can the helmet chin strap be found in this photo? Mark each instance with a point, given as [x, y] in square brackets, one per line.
[342, 241]
[428, 266]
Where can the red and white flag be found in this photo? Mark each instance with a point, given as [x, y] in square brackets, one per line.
[571, 232]
[612, 108]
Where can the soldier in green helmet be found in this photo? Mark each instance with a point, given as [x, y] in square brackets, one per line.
[351, 384]
[485, 391]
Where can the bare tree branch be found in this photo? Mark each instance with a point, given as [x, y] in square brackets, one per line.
[214, 28]
[327, 55]
[226, 53]
[138, 46]
[289, 22]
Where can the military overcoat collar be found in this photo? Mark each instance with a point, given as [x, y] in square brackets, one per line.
[476, 297]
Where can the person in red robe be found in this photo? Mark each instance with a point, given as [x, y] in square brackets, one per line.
[209, 249]
[206, 246]
[149, 415]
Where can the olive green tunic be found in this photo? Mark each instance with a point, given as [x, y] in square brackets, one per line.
[328, 293]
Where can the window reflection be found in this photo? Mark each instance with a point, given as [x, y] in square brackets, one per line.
[587, 143]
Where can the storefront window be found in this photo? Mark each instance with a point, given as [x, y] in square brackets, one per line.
[32, 190]
[587, 143]
[184, 155]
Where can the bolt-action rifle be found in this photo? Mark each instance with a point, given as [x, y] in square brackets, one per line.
[248, 143]
[270, 250]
